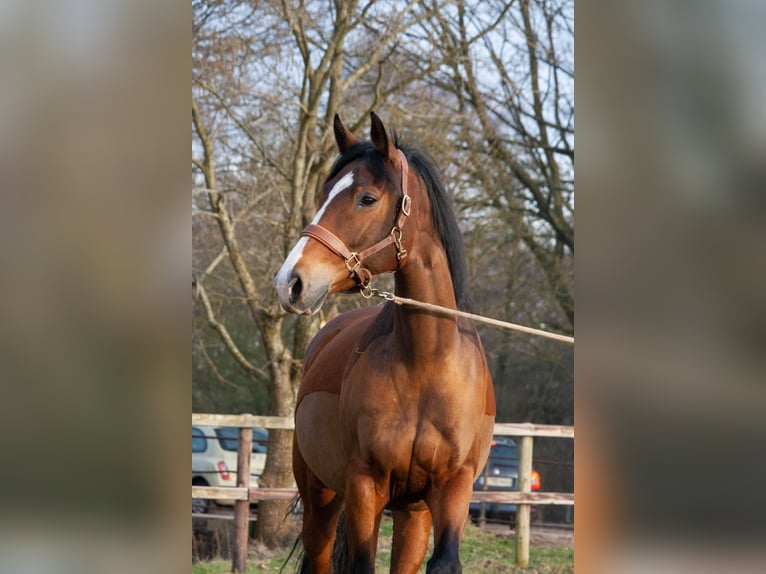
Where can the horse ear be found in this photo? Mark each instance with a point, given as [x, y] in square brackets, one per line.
[380, 138]
[344, 138]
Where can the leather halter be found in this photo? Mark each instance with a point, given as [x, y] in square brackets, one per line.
[352, 259]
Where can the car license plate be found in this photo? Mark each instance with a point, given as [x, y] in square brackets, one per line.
[500, 481]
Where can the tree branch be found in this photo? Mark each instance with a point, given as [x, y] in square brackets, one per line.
[223, 333]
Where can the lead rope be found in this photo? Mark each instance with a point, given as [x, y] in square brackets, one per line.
[372, 292]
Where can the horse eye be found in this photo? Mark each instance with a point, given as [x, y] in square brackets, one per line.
[367, 200]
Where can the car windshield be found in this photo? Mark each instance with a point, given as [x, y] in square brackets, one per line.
[229, 437]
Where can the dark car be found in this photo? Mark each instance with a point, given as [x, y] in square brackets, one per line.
[502, 474]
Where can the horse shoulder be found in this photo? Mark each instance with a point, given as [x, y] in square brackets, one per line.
[331, 348]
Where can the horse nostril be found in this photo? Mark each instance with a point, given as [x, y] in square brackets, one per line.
[294, 289]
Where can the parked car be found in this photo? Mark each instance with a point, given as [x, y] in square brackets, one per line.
[502, 474]
[214, 460]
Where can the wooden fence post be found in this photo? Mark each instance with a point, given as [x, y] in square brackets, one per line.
[242, 507]
[522, 510]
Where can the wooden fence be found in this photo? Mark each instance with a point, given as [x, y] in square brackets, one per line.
[243, 495]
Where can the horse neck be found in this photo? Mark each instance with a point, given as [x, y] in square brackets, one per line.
[425, 277]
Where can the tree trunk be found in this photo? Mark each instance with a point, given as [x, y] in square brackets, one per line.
[272, 526]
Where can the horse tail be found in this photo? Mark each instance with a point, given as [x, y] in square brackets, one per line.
[341, 561]
[303, 567]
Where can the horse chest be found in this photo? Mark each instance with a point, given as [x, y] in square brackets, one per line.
[410, 437]
[411, 457]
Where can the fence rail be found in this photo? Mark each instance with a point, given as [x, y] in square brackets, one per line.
[243, 421]
[242, 495]
[256, 494]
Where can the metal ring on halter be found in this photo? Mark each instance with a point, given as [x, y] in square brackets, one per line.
[406, 202]
[364, 276]
[367, 292]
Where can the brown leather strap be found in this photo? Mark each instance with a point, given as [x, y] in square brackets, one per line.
[328, 239]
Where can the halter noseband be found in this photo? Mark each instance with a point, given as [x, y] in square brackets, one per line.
[352, 259]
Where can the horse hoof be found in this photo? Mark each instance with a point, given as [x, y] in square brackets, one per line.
[443, 567]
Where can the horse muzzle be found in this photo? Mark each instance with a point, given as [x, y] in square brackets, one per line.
[296, 296]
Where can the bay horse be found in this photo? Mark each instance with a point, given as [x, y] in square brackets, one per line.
[396, 407]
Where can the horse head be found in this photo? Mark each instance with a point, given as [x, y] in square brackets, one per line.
[358, 231]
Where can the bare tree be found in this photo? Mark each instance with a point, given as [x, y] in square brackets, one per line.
[509, 66]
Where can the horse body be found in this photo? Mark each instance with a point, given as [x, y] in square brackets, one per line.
[395, 408]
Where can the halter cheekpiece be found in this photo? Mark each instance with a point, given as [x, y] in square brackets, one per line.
[353, 259]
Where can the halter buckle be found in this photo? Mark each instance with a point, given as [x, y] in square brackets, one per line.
[357, 262]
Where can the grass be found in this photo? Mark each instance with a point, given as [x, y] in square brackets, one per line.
[481, 551]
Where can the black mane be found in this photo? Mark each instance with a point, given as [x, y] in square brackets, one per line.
[441, 210]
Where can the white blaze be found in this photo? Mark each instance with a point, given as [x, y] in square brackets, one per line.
[343, 183]
[286, 271]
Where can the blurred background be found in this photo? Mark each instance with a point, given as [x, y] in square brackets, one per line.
[95, 250]
[671, 132]
[97, 247]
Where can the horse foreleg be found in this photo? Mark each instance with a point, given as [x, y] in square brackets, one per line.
[410, 542]
[449, 505]
[364, 505]
[321, 508]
